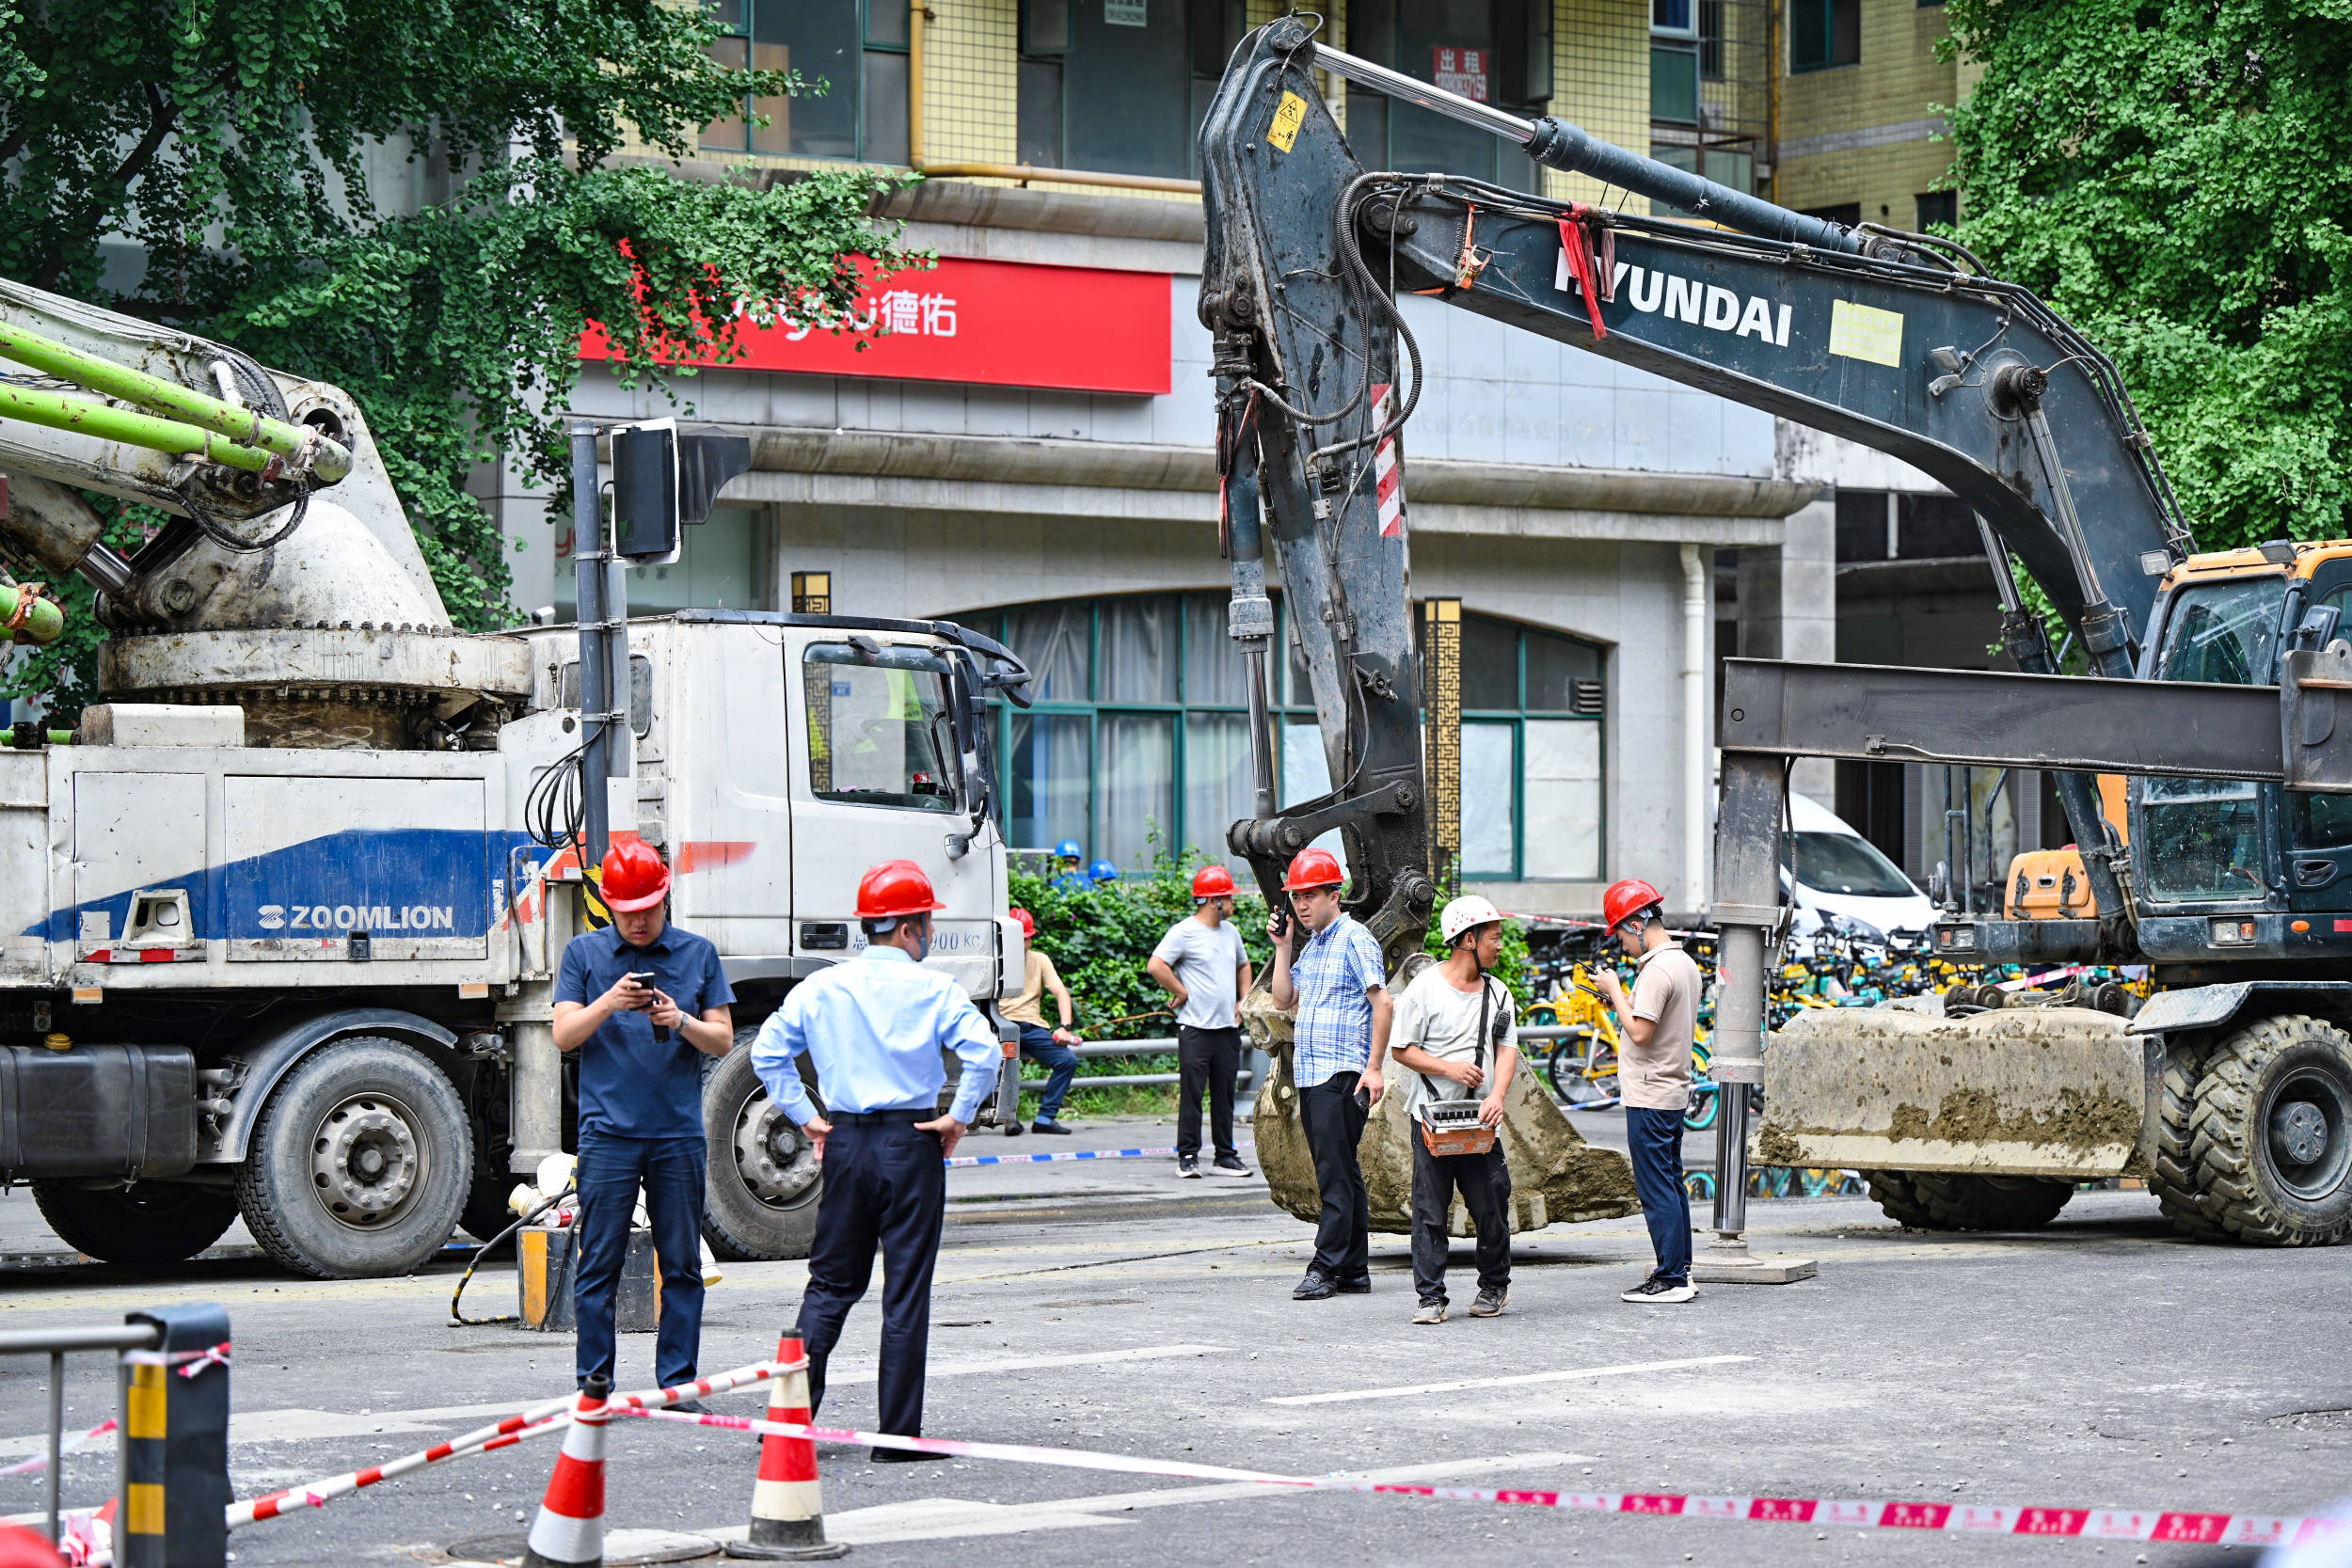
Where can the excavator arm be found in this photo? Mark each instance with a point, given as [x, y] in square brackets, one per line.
[1897, 342]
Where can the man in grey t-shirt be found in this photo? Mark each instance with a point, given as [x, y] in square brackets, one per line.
[1200, 963]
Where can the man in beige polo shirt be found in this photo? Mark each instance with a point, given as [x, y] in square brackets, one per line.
[1654, 1076]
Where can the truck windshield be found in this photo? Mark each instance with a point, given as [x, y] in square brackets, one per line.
[2204, 836]
[879, 733]
[1843, 864]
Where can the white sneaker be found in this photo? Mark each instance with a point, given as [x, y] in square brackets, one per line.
[1661, 1292]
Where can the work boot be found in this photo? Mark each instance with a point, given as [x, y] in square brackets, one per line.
[1049, 1126]
[1315, 1286]
[1491, 1303]
[1188, 1165]
[1431, 1310]
[1229, 1165]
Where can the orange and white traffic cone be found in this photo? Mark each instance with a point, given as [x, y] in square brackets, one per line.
[787, 1516]
[569, 1531]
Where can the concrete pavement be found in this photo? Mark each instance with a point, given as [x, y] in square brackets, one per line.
[1110, 1305]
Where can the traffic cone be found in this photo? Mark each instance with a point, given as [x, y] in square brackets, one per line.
[787, 1516]
[569, 1531]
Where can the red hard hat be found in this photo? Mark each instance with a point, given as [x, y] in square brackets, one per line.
[634, 876]
[1023, 919]
[1629, 897]
[895, 888]
[1313, 868]
[1213, 881]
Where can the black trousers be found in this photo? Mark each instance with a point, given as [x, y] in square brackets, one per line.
[885, 1187]
[1334, 1125]
[1210, 1057]
[1485, 1182]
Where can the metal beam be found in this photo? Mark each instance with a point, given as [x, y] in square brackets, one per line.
[1874, 713]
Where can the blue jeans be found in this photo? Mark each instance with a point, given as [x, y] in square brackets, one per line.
[1060, 1062]
[1654, 1138]
[610, 1170]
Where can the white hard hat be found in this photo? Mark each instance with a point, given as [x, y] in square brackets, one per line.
[1464, 912]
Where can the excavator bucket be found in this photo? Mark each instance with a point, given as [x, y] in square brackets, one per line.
[2019, 1091]
[1556, 1177]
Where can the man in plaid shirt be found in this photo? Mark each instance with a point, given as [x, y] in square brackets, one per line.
[1340, 989]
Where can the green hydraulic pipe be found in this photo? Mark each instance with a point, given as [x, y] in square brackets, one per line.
[110, 423]
[43, 621]
[329, 460]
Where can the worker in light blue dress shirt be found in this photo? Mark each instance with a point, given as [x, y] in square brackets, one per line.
[874, 1027]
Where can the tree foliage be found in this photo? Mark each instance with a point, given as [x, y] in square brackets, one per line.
[2175, 176]
[422, 202]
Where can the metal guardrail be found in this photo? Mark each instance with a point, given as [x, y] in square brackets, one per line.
[1157, 1046]
[57, 1344]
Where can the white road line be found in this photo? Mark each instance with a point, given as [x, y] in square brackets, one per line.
[943, 1518]
[303, 1426]
[1410, 1389]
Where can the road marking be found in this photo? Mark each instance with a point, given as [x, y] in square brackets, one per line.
[1412, 1388]
[297, 1425]
[943, 1518]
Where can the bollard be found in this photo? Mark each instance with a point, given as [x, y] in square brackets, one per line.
[787, 1515]
[174, 1492]
[569, 1531]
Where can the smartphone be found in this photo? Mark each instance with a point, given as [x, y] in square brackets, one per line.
[646, 978]
[1363, 1100]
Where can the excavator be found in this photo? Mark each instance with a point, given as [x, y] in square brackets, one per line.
[2230, 1092]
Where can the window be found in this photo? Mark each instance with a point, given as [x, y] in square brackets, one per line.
[1937, 206]
[1824, 33]
[856, 48]
[1108, 84]
[1847, 212]
[879, 731]
[1449, 44]
[1139, 739]
[725, 562]
[1674, 82]
[2204, 836]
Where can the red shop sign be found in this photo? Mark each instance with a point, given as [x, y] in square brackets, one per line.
[992, 323]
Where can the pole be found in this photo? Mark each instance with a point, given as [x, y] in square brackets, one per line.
[57, 1440]
[588, 558]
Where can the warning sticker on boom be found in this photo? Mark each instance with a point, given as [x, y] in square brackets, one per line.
[1289, 115]
[1864, 332]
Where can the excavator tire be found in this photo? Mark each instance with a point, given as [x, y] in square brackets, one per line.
[2174, 1179]
[2270, 1134]
[1936, 1200]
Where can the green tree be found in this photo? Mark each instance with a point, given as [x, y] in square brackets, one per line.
[252, 157]
[2176, 177]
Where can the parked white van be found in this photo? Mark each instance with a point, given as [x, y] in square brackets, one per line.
[1828, 868]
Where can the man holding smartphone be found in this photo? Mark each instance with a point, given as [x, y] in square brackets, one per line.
[1339, 987]
[642, 1002]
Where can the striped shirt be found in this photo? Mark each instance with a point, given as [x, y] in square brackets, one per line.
[1334, 973]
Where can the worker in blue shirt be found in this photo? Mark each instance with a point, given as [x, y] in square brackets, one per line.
[641, 1003]
[874, 1027]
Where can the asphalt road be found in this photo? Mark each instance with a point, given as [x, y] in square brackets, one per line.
[1110, 1305]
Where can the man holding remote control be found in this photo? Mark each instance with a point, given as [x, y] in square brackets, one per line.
[642, 1002]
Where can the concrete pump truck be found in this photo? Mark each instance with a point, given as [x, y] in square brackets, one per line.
[278, 928]
[2214, 684]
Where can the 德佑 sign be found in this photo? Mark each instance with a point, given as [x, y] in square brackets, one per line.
[991, 323]
[1460, 71]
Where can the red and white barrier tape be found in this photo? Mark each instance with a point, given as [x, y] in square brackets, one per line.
[186, 1362]
[548, 1415]
[71, 1445]
[2102, 1524]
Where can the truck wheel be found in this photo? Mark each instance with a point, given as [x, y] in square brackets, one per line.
[2174, 1179]
[359, 1164]
[1934, 1200]
[760, 1198]
[147, 1223]
[2270, 1136]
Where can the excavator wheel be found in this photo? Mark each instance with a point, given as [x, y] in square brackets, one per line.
[2174, 1179]
[2270, 1134]
[1935, 1200]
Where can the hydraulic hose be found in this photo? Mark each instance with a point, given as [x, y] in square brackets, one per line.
[483, 1251]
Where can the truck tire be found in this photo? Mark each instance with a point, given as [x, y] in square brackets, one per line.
[145, 1224]
[2270, 1136]
[2174, 1179]
[759, 1200]
[359, 1163]
[1936, 1200]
